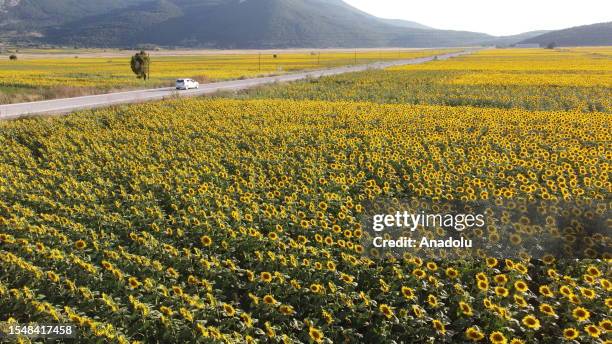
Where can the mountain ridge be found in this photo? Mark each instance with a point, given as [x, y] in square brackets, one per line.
[583, 35]
[224, 24]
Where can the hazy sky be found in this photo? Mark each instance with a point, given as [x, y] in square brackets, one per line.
[496, 17]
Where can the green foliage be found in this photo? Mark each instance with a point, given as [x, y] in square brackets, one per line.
[140, 64]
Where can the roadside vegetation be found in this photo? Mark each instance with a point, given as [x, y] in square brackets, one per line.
[41, 78]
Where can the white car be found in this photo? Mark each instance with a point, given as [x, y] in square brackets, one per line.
[186, 84]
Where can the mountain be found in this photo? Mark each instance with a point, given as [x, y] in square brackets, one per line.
[595, 34]
[215, 24]
[514, 39]
[20, 19]
[406, 23]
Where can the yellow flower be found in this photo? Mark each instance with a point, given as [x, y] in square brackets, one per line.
[266, 277]
[474, 334]
[206, 240]
[570, 333]
[466, 309]
[438, 326]
[547, 309]
[286, 310]
[517, 341]
[80, 244]
[386, 310]
[592, 331]
[581, 314]
[531, 322]
[246, 320]
[408, 293]
[521, 286]
[501, 291]
[498, 338]
[545, 291]
[452, 273]
[133, 282]
[229, 310]
[315, 334]
[269, 299]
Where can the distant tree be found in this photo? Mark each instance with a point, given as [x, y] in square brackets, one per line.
[13, 57]
[551, 45]
[140, 64]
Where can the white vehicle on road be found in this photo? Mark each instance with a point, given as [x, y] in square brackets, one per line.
[186, 84]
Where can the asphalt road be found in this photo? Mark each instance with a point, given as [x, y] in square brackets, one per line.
[62, 106]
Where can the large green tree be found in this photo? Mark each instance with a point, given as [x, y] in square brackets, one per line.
[140, 64]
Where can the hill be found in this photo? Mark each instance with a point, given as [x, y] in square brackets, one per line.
[217, 24]
[514, 39]
[595, 34]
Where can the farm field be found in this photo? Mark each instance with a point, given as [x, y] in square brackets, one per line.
[47, 77]
[240, 220]
[531, 79]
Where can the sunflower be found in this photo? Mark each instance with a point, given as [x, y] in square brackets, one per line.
[545, 291]
[547, 309]
[133, 282]
[438, 326]
[53, 276]
[432, 300]
[517, 341]
[491, 262]
[474, 334]
[466, 309]
[206, 240]
[408, 293]
[418, 311]
[246, 320]
[452, 273]
[418, 273]
[521, 286]
[265, 277]
[386, 310]
[229, 310]
[606, 325]
[501, 291]
[500, 279]
[498, 338]
[581, 314]
[592, 331]
[570, 333]
[315, 334]
[531, 322]
[286, 310]
[588, 293]
[166, 311]
[316, 288]
[269, 300]
[80, 244]
[593, 271]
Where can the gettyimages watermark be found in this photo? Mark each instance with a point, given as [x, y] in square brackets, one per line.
[541, 229]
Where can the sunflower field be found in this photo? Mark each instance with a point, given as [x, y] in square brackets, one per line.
[221, 220]
[532, 79]
[43, 73]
